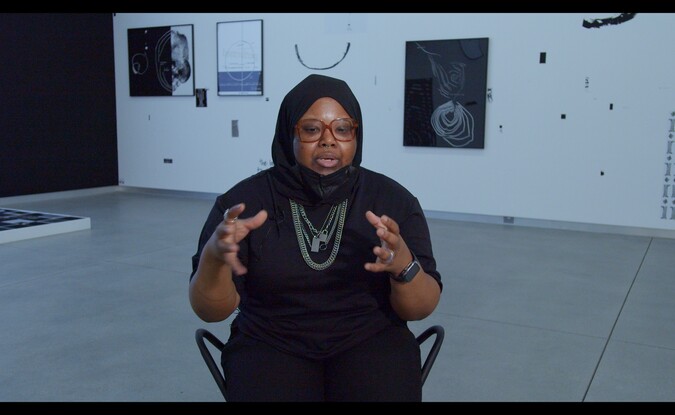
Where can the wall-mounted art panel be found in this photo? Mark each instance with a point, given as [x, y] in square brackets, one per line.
[240, 57]
[161, 61]
[445, 93]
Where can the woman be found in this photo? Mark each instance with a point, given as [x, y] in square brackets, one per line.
[316, 254]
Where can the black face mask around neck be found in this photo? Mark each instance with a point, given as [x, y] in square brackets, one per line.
[331, 188]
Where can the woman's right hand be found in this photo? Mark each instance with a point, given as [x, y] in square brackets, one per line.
[224, 243]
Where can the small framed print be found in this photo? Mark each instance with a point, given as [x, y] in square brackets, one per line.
[240, 57]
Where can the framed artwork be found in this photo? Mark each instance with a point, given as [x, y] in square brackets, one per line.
[240, 57]
[445, 93]
[161, 61]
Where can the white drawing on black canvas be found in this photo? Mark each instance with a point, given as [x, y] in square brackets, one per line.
[297, 53]
[451, 121]
[160, 61]
[172, 74]
[139, 63]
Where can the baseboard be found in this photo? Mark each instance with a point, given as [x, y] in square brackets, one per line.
[432, 214]
[551, 224]
[168, 192]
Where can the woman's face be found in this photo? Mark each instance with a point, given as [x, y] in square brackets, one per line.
[326, 155]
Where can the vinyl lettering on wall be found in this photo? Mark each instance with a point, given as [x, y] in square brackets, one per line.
[668, 196]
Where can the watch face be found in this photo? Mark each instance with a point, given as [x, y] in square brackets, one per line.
[412, 272]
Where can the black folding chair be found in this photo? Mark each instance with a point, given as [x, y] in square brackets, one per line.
[216, 371]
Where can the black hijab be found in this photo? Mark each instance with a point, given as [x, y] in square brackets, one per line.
[294, 180]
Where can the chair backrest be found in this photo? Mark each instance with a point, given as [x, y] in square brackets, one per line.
[202, 334]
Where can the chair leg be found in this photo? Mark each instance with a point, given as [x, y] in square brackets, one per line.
[435, 348]
[200, 336]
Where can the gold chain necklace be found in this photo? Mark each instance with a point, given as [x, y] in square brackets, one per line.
[321, 237]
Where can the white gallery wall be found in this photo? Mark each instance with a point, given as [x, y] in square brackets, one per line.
[596, 166]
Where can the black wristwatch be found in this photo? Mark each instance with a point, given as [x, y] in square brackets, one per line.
[409, 271]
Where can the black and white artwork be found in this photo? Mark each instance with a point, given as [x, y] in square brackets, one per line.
[16, 225]
[161, 61]
[15, 219]
[445, 93]
[240, 57]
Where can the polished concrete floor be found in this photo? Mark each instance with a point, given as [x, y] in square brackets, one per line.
[530, 314]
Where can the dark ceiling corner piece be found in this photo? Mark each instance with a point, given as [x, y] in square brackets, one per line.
[595, 23]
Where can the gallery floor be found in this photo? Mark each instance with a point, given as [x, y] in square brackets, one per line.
[530, 314]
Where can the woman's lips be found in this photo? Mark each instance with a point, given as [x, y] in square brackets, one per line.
[327, 162]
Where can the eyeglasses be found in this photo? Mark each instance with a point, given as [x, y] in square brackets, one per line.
[310, 130]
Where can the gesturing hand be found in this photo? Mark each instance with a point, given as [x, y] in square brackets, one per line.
[393, 254]
[224, 243]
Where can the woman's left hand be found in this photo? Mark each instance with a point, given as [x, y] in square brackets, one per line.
[393, 255]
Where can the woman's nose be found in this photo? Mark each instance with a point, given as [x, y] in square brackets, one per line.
[327, 138]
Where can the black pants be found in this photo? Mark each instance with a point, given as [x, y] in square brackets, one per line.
[386, 367]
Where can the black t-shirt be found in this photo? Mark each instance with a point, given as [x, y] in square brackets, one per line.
[309, 313]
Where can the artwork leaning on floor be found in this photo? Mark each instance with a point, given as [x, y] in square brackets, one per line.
[445, 93]
[161, 61]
